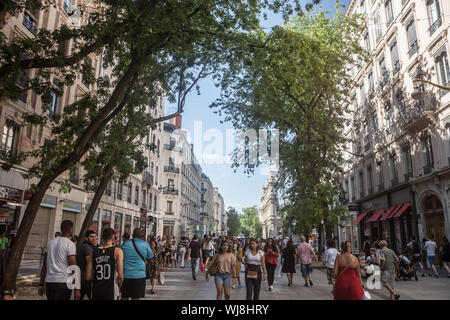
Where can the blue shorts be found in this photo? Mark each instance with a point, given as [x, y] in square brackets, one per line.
[306, 269]
[223, 278]
[430, 260]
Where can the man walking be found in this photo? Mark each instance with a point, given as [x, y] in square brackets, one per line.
[195, 253]
[430, 247]
[388, 264]
[182, 245]
[106, 261]
[61, 253]
[413, 249]
[304, 252]
[136, 253]
[84, 257]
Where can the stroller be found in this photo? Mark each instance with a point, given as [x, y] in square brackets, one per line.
[406, 269]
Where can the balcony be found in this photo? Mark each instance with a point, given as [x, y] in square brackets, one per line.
[171, 147]
[414, 49]
[29, 23]
[435, 25]
[381, 187]
[6, 153]
[418, 115]
[394, 182]
[170, 191]
[203, 201]
[203, 214]
[171, 169]
[427, 169]
[147, 178]
[203, 189]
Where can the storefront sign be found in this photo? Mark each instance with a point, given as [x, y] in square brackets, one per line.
[165, 222]
[71, 206]
[48, 202]
[10, 194]
[374, 204]
[4, 215]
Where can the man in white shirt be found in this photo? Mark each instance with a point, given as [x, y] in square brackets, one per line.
[330, 256]
[61, 253]
[430, 247]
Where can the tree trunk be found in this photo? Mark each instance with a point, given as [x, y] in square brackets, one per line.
[15, 257]
[94, 205]
[320, 240]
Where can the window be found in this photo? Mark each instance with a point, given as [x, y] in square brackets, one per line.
[408, 161]
[150, 201]
[375, 121]
[378, 28]
[30, 23]
[352, 181]
[156, 176]
[443, 70]
[9, 139]
[394, 172]
[155, 202]
[394, 58]
[53, 105]
[119, 190]
[158, 148]
[170, 184]
[389, 116]
[136, 199]
[144, 197]
[367, 42]
[87, 62]
[363, 93]
[384, 76]
[130, 191]
[371, 84]
[67, 6]
[434, 14]
[347, 191]
[361, 184]
[73, 177]
[380, 174]
[169, 206]
[370, 179]
[389, 12]
[412, 37]
[427, 153]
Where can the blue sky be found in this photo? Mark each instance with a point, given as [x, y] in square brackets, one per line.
[238, 189]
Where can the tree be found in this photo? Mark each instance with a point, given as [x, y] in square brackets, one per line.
[145, 43]
[233, 222]
[300, 84]
[249, 221]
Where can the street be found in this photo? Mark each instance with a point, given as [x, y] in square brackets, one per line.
[179, 285]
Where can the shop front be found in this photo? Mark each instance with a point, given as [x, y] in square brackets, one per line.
[168, 228]
[118, 226]
[369, 226]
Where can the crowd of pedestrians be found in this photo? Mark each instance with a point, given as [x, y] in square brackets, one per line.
[109, 271]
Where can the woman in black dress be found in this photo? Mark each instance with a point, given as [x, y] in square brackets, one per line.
[288, 261]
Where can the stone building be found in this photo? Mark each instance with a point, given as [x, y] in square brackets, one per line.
[269, 214]
[397, 180]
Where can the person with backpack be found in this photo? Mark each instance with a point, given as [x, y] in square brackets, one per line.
[223, 267]
[445, 250]
[136, 253]
[414, 251]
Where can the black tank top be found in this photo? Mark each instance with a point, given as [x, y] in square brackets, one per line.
[104, 272]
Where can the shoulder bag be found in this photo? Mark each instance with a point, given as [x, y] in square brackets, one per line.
[147, 265]
[212, 266]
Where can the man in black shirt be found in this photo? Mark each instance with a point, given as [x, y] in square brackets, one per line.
[84, 254]
[195, 253]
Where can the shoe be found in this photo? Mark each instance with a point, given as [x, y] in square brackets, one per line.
[397, 296]
[436, 276]
[270, 288]
[306, 285]
[153, 291]
[423, 275]
[195, 278]
[448, 276]
[310, 282]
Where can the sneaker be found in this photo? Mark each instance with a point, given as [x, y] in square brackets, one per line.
[310, 282]
[270, 288]
[195, 278]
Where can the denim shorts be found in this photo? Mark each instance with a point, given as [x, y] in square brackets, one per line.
[431, 260]
[306, 269]
[223, 278]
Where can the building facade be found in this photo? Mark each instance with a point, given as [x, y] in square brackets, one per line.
[397, 180]
[269, 214]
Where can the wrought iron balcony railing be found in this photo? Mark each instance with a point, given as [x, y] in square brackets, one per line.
[414, 48]
[427, 169]
[171, 191]
[171, 169]
[435, 25]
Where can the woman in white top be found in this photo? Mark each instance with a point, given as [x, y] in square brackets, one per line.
[254, 259]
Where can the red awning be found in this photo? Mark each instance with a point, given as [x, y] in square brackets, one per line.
[388, 212]
[391, 215]
[377, 215]
[402, 209]
[360, 217]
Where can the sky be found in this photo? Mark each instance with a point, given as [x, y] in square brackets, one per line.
[237, 189]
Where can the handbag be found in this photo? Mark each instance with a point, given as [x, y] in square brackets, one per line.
[147, 265]
[202, 266]
[252, 271]
[212, 266]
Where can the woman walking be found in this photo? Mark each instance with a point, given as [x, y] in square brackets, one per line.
[348, 275]
[225, 270]
[271, 254]
[167, 254]
[288, 259]
[207, 249]
[173, 253]
[239, 255]
[155, 266]
[254, 259]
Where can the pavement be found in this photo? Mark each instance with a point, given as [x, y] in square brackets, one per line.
[179, 285]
